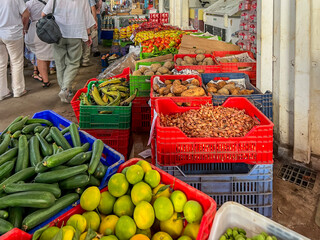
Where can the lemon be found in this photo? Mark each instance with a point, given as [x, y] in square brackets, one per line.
[118, 185]
[108, 225]
[123, 206]
[173, 226]
[68, 232]
[77, 221]
[184, 238]
[134, 174]
[93, 220]
[178, 199]
[90, 198]
[192, 230]
[141, 192]
[161, 236]
[106, 203]
[110, 237]
[192, 211]
[165, 193]
[153, 178]
[163, 208]
[145, 165]
[146, 232]
[143, 215]
[125, 228]
[49, 233]
[139, 237]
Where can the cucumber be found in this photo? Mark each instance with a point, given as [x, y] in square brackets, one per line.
[77, 181]
[97, 149]
[59, 150]
[13, 122]
[79, 190]
[8, 155]
[16, 134]
[23, 187]
[38, 129]
[14, 143]
[19, 176]
[34, 150]
[39, 120]
[6, 168]
[65, 130]
[33, 199]
[59, 138]
[5, 144]
[44, 132]
[79, 159]
[4, 214]
[23, 154]
[18, 125]
[93, 181]
[100, 171]
[49, 138]
[45, 147]
[61, 158]
[39, 168]
[59, 175]
[42, 215]
[29, 136]
[5, 226]
[86, 147]
[60, 167]
[54, 148]
[75, 135]
[15, 216]
[30, 128]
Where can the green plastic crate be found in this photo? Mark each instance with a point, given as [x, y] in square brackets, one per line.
[117, 117]
[123, 44]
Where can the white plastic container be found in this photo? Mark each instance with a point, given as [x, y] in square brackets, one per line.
[232, 214]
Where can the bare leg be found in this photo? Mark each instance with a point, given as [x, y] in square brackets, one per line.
[43, 67]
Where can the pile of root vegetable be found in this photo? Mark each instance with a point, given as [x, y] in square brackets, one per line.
[209, 121]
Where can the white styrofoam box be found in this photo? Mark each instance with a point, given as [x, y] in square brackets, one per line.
[232, 214]
[222, 7]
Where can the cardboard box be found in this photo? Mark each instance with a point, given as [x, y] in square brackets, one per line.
[136, 12]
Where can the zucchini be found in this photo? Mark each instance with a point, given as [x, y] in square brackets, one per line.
[34, 150]
[79, 190]
[60, 167]
[30, 128]
[97, 149]
[19, 176]
[61, 158]
[18, 125]
[38, 129]
[4, 214]
[59, 150]
[24, 187]
[29, 136]
[5, 226]
[65, 130]
[93, 181]
[79, 159]
[5, 144]
[13, 122]
[49, 138]
[16, 134]
[86, 147]
[100, 171]
[44, 132]
[33, 199]
[59, 138]
[75, 135]
[39, 120]
[6, 168]
[39, 168]
[42, 215]
[54, 148]
[45, 147]
[23, 154]
[77, 181]
[15, 216]
[8, 155]
[59, 175]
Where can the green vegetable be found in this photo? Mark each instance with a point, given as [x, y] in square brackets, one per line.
[77, 181]
[45, 147]
[38, 129]
[16, 134]
[34, 150]
[100, 171]
[18, 125]
[5, 144]
[30, 128]
[61, 158]
[75, 135]
[13, 122]
[6, 168]
[19, 176]
[97, 149]
[37, 234]
[4, 214]
[39, 120]
[8, 155]
[44, 132]
[15, 216]
[23, 154]
[79, 159]
[59, 138]
[5, 226]
[24, 187]
[93, 181]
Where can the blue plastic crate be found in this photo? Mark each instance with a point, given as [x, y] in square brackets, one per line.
[262, 101]
[249, 185]
[107, 34]
[57, 120]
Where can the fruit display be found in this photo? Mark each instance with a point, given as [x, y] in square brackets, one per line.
[126, 32]
[209, 121]
[155, 69]
[240, 234]
[147, 30]
[108, 92]
[136, 206]
[227, 88]
[42, 170]
[199, 59]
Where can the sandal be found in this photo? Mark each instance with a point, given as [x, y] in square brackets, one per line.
[36, 77]
[46, 84]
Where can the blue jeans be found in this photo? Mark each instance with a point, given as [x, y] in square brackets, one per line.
[99, 28]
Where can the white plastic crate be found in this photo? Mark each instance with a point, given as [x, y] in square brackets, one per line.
[232, 214]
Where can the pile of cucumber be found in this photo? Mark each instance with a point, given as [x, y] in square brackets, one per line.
[41, 173]
[240, 234]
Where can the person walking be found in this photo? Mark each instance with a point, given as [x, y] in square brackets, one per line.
[75, 20]
[14, 17]
[42, 50]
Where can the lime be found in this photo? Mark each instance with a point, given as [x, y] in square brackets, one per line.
[178, 199]
[152, 177]
[184, 238]
[156, 193]
[106, 203]
[123, 206]
[134, 174]
[110, 237]
[90, 198]
[146, 232]
[77, 221]
[141, 192]
[118, 185]
[163, 208]
[125, 228]
[192, 230]
[108, 225]
[145, 165]
[49, 233]
[124, 171]
[93, 220]
[173, 226]
[143, 215]
[161, 236]
[192, 211]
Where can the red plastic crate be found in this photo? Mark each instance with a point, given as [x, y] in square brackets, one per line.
[141, 115]
[16, 234]
[117, 139]
[193, 101]
[75, 102]
[205, 68]
[175, 148]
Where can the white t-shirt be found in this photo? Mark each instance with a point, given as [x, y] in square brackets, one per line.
[73, 17]
[11, 27]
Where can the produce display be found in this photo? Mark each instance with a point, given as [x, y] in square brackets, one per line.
[224, 88]
[41, 172]
[155, 69]
[209, 121]
[147, 31]
[126, 32]
[136, 206]
[199, 59]
[240, 234]
[108, 92]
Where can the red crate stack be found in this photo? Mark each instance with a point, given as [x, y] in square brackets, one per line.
[141, 115]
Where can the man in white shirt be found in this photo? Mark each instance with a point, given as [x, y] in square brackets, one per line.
[14, 20]
[75, 20]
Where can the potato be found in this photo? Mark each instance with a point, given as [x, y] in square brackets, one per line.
[168, 65]
[154, 67]
[210, 62]
[210, 84]
[163, 91]
[149, 73]
[178, 89]
[223, 60]
[194, 61]
[183, 63]
[170, 95]
[212, 89]
[163, 70]
[200, 57]
[207, 59]
[222, 84]
[188, 59]
[199, 51]
[136, 73]
[156, 87]
[169, 86]
[167, 82]
[230, 86]
[223, 91]
[192, 86]
[195, 82]
[235, 91]
[194, 92]
[143, 69]
[201, 63]
[184, 82]
[158, 73]
[200, 70]
[178, 61]
[176, 82]
[246, 92]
